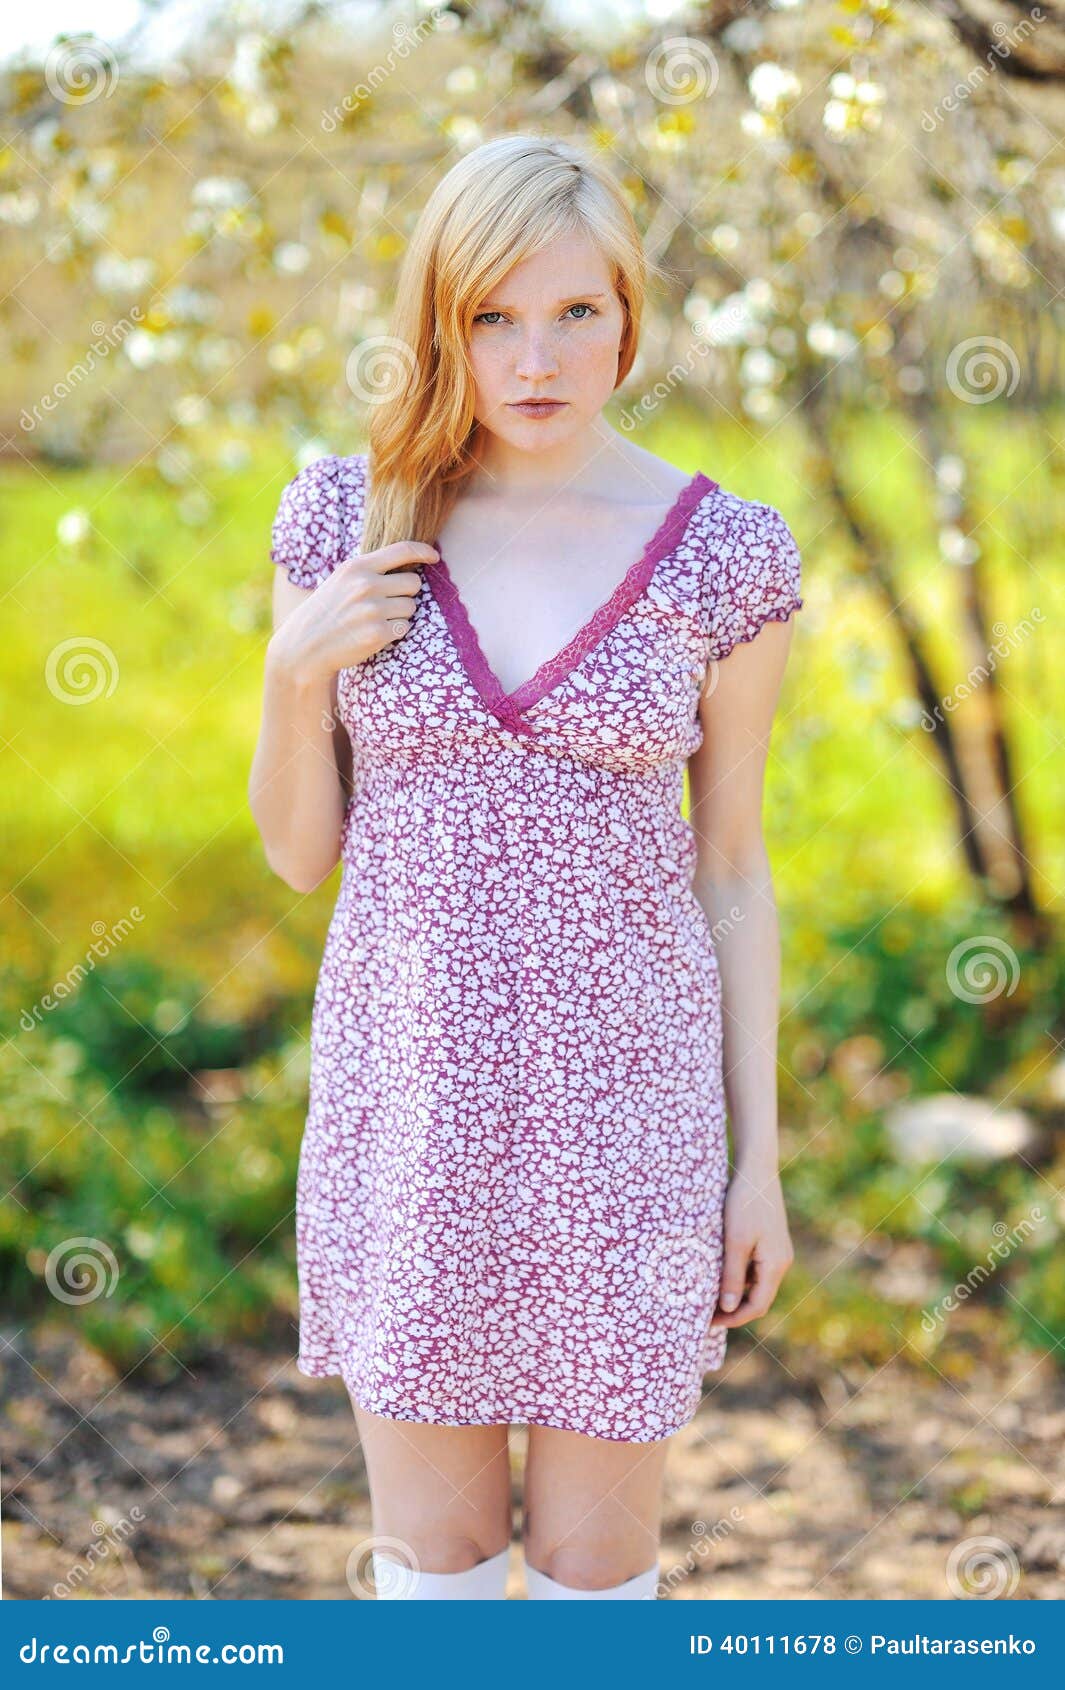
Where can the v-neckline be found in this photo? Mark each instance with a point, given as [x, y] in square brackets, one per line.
[510, 707]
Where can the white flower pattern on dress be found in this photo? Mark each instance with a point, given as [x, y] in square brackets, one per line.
[512, 1175]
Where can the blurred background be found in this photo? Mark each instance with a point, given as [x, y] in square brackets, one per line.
[859, 206]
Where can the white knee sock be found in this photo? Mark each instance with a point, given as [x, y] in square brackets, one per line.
[642, 1587]
[485, 1582]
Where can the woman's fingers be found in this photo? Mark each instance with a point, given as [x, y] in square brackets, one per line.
[733, 1276]
[759, 1294]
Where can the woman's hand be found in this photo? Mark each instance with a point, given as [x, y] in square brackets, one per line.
[366, 603]
[757, 1244]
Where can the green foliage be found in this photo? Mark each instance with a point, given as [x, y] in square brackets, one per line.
[186, 1213]
[903, 990]
[141, 1025]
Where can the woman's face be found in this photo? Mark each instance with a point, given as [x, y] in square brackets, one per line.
[551, 329]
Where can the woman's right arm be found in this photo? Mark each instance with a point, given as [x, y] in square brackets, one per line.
[297, 788]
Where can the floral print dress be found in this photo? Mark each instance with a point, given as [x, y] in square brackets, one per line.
[511, 1178]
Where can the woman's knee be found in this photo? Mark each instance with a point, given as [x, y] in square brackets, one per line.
[439, 1548]
[443, 1492]
[592, 1510]
[590, 1563]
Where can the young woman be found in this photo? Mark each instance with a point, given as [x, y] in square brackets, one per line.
[501, 636]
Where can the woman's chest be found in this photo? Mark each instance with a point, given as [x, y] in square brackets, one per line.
[622, 692]
[527, 593]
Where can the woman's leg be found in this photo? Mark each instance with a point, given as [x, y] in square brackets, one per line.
[592, 1515]
[441, 1507]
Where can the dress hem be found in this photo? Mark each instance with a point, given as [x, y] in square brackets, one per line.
[329, 1370]
[778, 613]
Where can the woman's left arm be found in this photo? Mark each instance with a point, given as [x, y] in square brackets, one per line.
[733, 884]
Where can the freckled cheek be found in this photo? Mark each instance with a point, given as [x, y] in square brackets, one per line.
[588, 369]
[492, 377]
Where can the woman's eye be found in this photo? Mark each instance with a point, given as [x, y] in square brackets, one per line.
[483, 316]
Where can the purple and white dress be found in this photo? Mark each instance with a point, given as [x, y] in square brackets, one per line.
[512, 1174]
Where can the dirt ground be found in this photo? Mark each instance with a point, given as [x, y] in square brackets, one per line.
[244, 1479]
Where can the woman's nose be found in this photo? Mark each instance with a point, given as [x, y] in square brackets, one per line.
[537, 358]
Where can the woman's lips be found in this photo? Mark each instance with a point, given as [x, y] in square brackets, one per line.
[538, 407]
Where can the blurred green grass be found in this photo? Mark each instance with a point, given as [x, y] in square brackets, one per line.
[158, 1106]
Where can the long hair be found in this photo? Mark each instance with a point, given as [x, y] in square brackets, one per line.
[498, 205]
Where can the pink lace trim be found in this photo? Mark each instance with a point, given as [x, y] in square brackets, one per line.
[551, 673]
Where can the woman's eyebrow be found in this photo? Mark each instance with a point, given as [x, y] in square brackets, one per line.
[569, 299]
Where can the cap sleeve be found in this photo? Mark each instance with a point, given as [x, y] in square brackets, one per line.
[306, 535]
[754, 578]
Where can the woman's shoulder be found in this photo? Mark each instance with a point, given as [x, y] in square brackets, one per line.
[749, 562]
[714, 514]
[659, 478]
[323, 480]
[723, 515]
[318, 516]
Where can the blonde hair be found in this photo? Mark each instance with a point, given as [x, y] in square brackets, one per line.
[499, 204]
